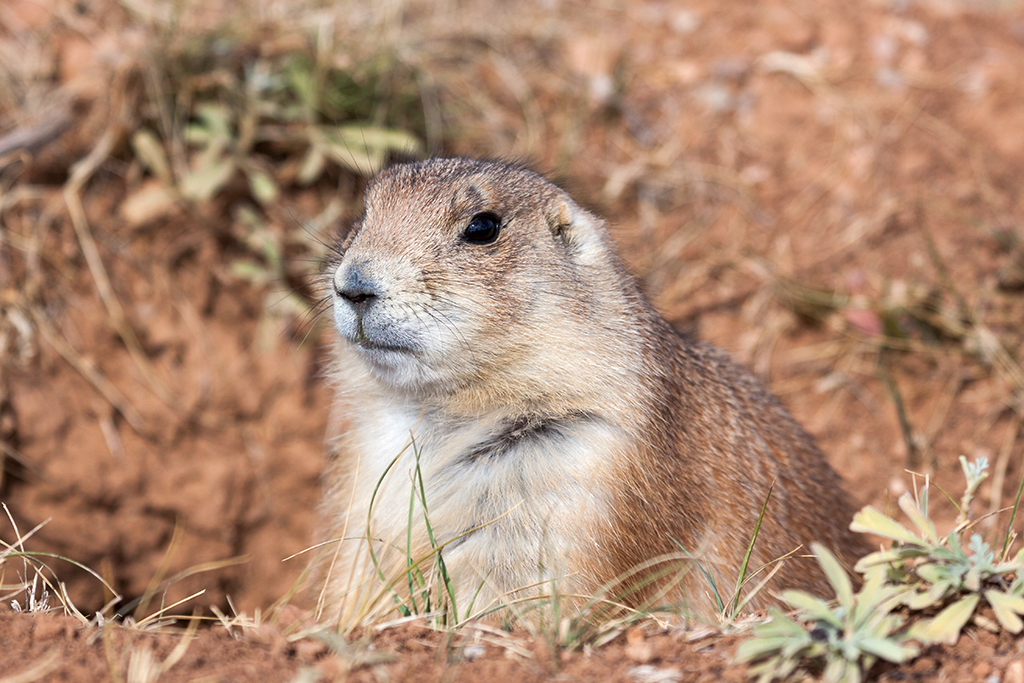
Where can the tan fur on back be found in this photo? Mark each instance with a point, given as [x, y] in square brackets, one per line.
[560, 430]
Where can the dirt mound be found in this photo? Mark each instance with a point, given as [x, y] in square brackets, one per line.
[228, 466]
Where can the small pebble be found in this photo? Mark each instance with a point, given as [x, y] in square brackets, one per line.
[471, 653]
[653, 674]
[640, 652]
[922, 665]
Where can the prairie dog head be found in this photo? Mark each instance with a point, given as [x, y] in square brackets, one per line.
[463, 273]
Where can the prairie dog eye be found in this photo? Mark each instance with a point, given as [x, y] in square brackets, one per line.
[482, 229]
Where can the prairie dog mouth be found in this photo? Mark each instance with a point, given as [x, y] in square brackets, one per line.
[370, 345]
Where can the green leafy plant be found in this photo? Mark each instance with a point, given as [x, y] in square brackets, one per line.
[226, 125]
[271, 122]
[926, 587]
[940, 572]
[843, 641]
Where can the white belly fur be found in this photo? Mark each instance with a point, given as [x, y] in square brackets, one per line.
[537, 505]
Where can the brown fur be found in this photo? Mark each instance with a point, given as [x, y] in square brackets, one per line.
[548, 404]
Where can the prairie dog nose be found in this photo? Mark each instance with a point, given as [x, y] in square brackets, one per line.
[355, 285]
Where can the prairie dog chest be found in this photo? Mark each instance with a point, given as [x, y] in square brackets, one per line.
[494, 487]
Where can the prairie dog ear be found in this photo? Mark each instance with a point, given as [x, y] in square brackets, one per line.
[559, 215]
[578, 230]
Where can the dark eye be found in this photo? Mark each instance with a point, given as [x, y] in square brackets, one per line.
[483, 229]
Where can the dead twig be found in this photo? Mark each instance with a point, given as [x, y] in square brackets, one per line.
[80, 174]
[891, 388]
[30, 139]
[1002, 462]
[938, 419]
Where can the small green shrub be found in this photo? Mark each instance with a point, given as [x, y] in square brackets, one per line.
[940, 573]
[843, 641]
[924, 589]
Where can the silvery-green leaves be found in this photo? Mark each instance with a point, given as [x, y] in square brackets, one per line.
[843, 639]
[925, 587]
[945, 579]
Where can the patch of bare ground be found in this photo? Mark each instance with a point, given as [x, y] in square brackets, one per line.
[51, 647]
[829, 190]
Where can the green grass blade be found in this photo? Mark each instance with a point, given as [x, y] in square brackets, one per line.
[409, 565]
[369, 514]
[750, 548]
[441, 568]
[1013, 516]
[706, 573]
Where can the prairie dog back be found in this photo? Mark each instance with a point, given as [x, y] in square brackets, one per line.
[504, 391]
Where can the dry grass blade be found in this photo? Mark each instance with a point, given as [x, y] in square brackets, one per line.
[154, 618]
[1002, 463]
[156, 582]
[36, 591]
[145, 667]
[891, 388]
[498, 637]
[113, 666]
[156, 588]
[1011, 534]
[80, 174]
[988, 343]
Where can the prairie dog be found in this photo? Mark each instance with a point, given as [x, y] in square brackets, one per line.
[497, 361]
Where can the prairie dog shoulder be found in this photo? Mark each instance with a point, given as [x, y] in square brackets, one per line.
[499, 366]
